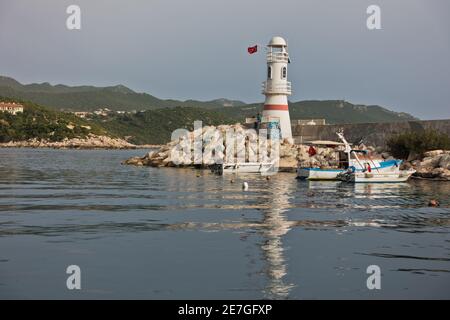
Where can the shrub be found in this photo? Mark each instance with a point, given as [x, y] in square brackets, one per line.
[401, 145]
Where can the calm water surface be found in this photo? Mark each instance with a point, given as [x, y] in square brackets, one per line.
[139, 232]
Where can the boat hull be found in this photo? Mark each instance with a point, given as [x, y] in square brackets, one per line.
[332, 174]
[378, 177]
[317, 174]
[247, 167]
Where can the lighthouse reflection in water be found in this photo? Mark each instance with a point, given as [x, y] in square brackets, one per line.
[275, 226]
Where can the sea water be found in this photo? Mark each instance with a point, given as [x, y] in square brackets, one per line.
[166, 233]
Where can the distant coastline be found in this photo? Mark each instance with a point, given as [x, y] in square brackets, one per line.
[91, 142]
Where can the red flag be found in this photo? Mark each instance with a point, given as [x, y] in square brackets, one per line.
[311, 151]
[253, 49]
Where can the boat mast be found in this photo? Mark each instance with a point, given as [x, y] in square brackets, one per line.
[348, 148]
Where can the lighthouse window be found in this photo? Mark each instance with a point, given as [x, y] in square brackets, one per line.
[283, 73]
[269, 72]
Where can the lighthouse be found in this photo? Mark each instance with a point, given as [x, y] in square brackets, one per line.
[276, 88]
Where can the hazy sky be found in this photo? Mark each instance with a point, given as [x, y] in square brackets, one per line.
[196, 49]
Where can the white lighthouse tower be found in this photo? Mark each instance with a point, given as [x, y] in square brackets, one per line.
[276, 88]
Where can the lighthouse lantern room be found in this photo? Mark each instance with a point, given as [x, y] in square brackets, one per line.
[276, 88]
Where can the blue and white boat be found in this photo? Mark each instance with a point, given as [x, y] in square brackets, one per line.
[348, 159]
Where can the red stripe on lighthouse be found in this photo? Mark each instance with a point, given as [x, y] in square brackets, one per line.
[281, 107]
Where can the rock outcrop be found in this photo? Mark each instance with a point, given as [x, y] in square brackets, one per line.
[90, 142]
[290, 154]
[434, 164]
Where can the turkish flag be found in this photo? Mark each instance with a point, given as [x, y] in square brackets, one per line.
[311, 151]
[253, 49]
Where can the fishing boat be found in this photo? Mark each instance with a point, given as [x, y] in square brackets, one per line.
[369, 177]
[244, 167]
[348, 158]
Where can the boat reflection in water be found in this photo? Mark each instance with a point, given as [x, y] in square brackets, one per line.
[376, 190]
[326, 205]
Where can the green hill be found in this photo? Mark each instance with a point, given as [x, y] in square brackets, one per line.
[159, 118]
[43, 123]
[338, 111]
[89, 98]
[156, 126]
[333, 111]
[148, 127]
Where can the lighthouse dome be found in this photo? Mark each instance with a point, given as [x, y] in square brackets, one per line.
[277, 41]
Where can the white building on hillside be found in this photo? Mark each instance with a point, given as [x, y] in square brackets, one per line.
[11, 107]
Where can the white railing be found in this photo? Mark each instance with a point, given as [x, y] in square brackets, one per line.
[276, 88]
[277, 57]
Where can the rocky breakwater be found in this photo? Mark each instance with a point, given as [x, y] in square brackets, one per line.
[90, 142]
[433, 164]
[290, 154]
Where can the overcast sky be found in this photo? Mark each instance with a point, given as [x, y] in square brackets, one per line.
[196, 49]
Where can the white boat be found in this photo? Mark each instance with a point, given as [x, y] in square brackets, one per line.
[332, 173]
[347, 159]
[369, 177]
[318, 173]
[244, 167]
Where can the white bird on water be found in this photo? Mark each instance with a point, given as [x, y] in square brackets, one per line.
[245, 186]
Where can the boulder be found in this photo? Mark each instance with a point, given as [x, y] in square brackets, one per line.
[415, 163]
[445, 174]
[385, 155]
[166, 161]
[133, 161]
[444, 161]
[433, 153]
[406, 165]
[288, 163]
[437, 172]
[429, 162]
[412, 156]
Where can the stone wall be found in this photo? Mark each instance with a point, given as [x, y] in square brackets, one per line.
[374, 134]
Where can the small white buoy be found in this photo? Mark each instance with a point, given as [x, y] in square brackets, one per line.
[245, 186]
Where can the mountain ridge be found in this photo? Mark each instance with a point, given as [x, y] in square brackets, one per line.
[121, 98]
[89, 98]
